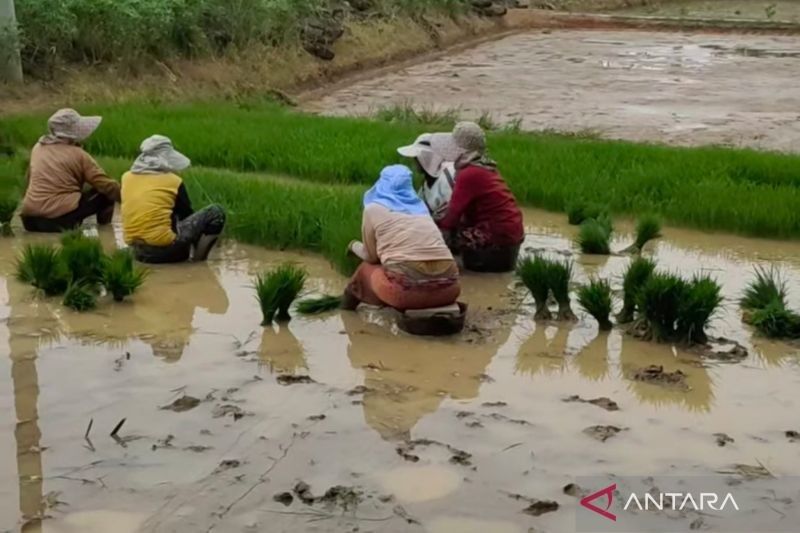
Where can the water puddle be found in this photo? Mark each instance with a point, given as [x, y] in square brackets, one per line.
[383, 428]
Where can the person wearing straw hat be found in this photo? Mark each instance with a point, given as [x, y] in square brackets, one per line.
[435, 157]
[406, 263]
[158, 221]
[65, 185]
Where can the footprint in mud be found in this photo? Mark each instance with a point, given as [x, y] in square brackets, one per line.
[535, 507]
[602, 433]
[793, 436]
[656, 375]
[182, 404]
[603, 402]
[723, 439]
[290, 379]
[223, 410]
[340, 496]
[407, 449]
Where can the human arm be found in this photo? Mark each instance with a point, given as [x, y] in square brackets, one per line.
[96, 177]
[466, 188]
[368, 238]
[183, 204]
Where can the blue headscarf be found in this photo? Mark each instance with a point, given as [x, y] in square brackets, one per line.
[394, 190]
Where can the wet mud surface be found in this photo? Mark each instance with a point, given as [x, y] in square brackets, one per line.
[683, 89]
[341, 423]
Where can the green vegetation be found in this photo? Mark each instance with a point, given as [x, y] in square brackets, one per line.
[648, 228]
[636, 276]
[317, 306]
[579, 212]
[533, 272]
[766, 308]
[42, 266]
[776, 321]
[8, 206]
[702, 300]
[120, 275]
[80, 296]
[277, 289]
[83, 257]
[559, 277]
[594, 237]
[660, 304]
[596, 298]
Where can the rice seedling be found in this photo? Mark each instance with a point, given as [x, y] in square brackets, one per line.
[121, 276]
[581, 211]
[637, 274]
[316, 306]
[701, 301]
[559, 277]
[776, 321]
[659, 304]
[83, 257]
[767, 288]
[594, 237]
[42, 266]
[648, 228]
[277, 289]
[8, 206]
[80, 296]
[534, 274]
[597, 299]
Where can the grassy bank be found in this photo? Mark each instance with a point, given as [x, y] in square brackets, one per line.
[740, 191]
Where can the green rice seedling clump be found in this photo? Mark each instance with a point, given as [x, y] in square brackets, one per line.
[83, 257]
[596, 298]
[581, 211]
[701, 301]
[776, 321]
[648, 228]
[8, 206]
[42, 266]
[766, 289]
[316, 306]
[534, 274]
[559, 277]
[660, 301]
[121, 276]
[636, 276]
[594, 237]
[80, 296]
[277, 289]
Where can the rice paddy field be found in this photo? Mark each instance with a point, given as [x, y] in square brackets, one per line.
[176, 410]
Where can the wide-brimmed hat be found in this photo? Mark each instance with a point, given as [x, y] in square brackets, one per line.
[67, 124]
[467, 137]
[158, 155]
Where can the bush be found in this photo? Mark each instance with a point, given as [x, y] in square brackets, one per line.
[534, 272]
[276, 290]
[597, 299]
[121, 277]
[636, 276]
[42, 266]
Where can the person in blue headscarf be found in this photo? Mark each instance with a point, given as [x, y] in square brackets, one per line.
[406, 262]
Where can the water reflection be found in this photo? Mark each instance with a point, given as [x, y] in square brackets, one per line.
[544, 352]
[281, 351]
[592, 361]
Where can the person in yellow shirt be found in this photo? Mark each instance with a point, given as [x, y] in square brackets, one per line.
[158, 221]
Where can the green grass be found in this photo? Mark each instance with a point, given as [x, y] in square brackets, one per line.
[648, 228]
[83, 257]
[8, 206]
[317, 306]
[597, 299]
[42, 266]
[594, 237]
[121, 276]
[277, 289]
[580, 211]
[741, 191]
[776, 321]
[660, 301]
[533, 272]
[699, 305]
[766, 289]
[80, 296]
[636, 276]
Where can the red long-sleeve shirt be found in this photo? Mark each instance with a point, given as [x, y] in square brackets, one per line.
[482, 198]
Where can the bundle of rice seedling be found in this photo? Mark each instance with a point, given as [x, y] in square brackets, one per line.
[80, 296]
[597, 299]
[639, 271]
[559, 276]
[580, 211]
[648, 228]
[41, 265]
[768, 288]
[316, 306]
[776, 321]
[701, 301]
[659, 303]
[276, 290]
[8, 206]
[121, 276]
[594, 237]
[533, 272]
[83, 257]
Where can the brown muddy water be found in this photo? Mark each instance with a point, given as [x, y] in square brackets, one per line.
[687, 89]
[408, 434]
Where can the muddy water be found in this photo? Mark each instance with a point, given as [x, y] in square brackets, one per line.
[385, 414]
[780, 10]
[667, 87]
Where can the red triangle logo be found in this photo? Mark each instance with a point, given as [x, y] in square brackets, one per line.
[608, 492]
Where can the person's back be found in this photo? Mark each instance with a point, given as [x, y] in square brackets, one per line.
[55, 179]
[491, 204]
[148, 201]
[401, 238]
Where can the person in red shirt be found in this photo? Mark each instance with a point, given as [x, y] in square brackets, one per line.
[483, 218]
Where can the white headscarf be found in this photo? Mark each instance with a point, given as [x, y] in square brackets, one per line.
[159, 157]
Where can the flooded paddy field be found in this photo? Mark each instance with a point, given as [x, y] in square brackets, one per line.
[685, 89]
[340, 423]
[780, 10]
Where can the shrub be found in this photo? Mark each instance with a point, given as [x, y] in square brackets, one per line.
[639, 271]
[41, 265]
[580, 211]
[559, 277]
[83, 257]
[316, 306]
[701, 301]
[120, 276]
[659, 302]
[597, 299]
[80, 296]
[594, 237]
[276, 290]
[533, 272]
[766, 289]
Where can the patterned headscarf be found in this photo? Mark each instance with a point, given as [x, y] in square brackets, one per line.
[394, 190]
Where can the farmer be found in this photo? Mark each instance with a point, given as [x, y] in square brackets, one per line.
[157, 216]
[407, 264]
[64, 184]
[483, 220]
[434, 155]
